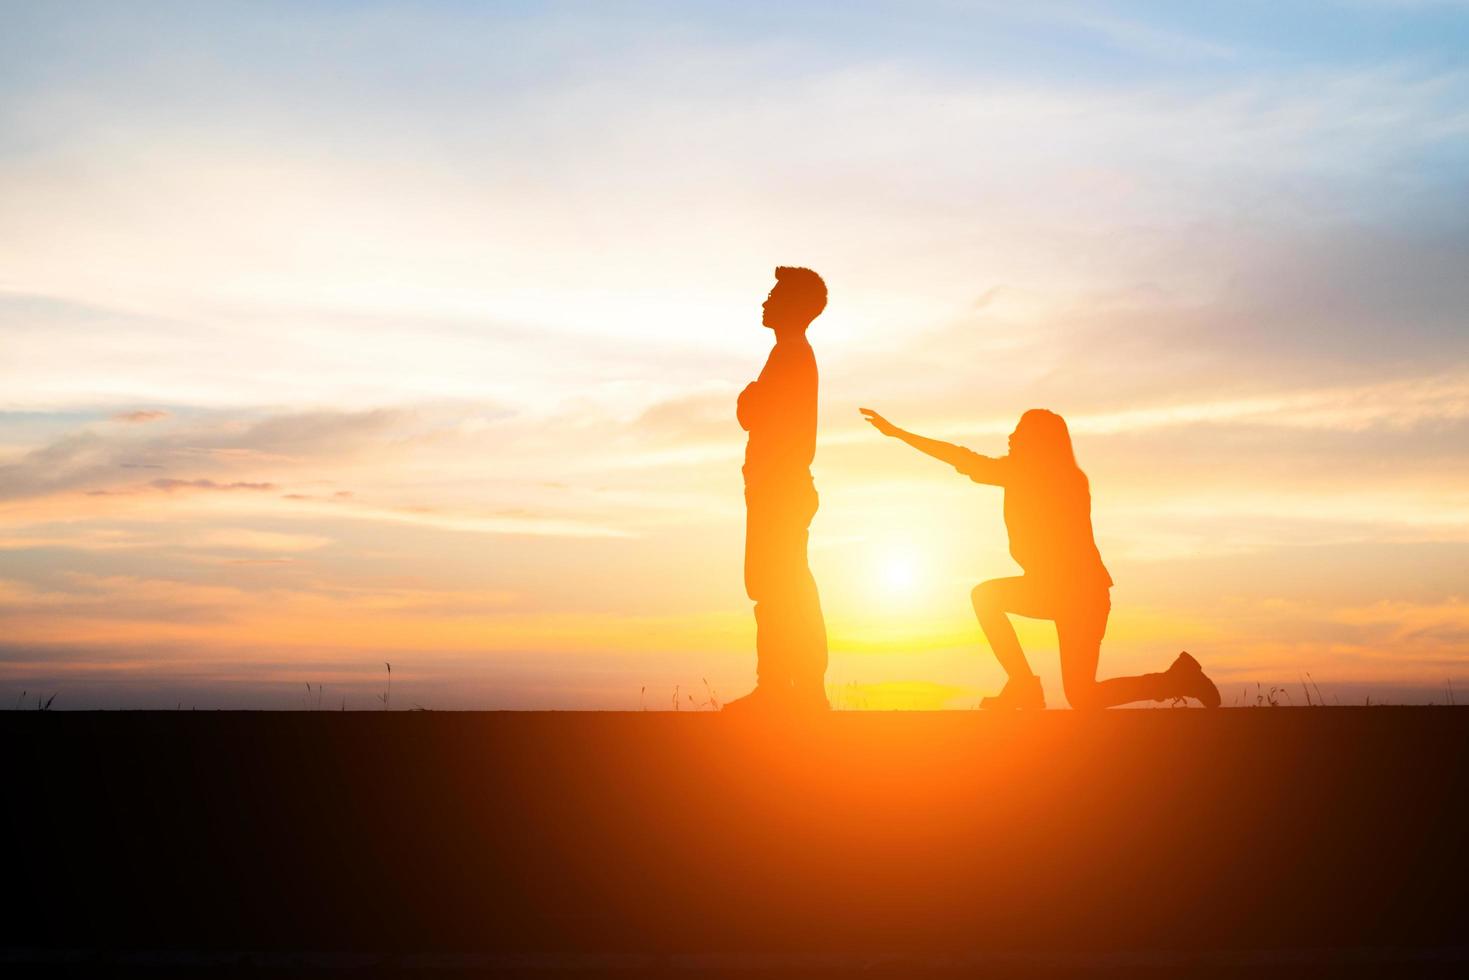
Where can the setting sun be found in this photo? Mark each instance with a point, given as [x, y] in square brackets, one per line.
[898, 574]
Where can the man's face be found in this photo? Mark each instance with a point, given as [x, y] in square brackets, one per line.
[773, 311]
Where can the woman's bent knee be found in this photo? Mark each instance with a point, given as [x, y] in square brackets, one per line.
[985, 597]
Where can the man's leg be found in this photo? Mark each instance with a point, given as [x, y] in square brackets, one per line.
[772, 662]
[763, 586]
[790, 632]
[809, 647]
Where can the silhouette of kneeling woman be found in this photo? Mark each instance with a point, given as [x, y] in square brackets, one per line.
[1048, 516]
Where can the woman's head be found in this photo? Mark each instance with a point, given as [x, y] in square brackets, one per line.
[1042, 439]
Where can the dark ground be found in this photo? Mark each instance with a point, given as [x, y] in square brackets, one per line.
[1282, 842]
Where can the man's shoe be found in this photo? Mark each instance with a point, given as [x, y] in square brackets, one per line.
[1022, 693]
[765, 699]
[1188, 680]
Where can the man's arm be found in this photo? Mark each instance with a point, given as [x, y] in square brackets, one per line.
[981, 469]
[747, 407]
[776, 391]
[751, 404]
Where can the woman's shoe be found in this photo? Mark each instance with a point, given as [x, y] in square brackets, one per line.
[1019, 693]
[1188, 680]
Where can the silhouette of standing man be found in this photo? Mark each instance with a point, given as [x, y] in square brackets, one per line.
[778, 409]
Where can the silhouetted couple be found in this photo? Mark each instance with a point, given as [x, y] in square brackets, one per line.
[1047, 514]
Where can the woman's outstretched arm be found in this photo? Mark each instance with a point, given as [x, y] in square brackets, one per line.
[944, 451]
[981, 469]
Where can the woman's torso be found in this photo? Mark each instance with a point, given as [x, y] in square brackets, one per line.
[1048, 516]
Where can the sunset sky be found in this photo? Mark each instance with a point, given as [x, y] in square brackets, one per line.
[341, 333]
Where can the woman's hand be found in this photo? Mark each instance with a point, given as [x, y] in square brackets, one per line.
[879, 423]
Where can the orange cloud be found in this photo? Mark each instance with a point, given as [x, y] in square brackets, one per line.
[140, 415]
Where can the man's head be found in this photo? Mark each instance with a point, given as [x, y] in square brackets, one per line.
[798, 297]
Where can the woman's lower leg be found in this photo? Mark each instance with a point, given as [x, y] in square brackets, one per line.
[1125, 690]
[1000, 633]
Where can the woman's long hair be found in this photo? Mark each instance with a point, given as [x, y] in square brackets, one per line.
[1042, 442]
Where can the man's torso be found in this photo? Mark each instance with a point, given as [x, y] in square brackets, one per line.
[782, 440]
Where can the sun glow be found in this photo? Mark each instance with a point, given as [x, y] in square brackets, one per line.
[898, 574]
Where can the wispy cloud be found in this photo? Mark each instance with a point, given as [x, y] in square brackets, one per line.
[248, 539]
[97, 459]
[140, 415]
[174, 486]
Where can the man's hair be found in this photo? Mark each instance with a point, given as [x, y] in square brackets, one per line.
[806, 288]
